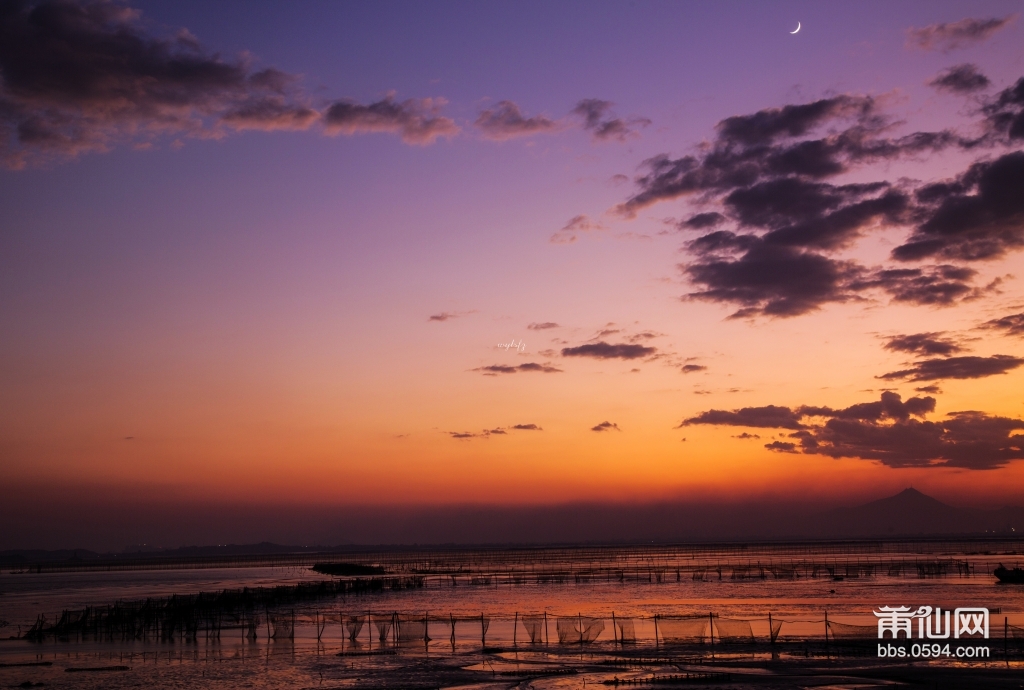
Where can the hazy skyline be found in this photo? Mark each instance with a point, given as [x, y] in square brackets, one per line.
[412, 254]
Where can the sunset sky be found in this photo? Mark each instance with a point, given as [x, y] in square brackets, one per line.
[511, 252]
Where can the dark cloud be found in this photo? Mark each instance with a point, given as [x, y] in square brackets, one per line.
[770, 171]
[889, 406]
[747, 435]
[506, 121]
[768, 417]
[960, 79]
[542, 326]
[603, 350]
[765, 126]
[941, 285]
[605, 426]
[923, 344]
[691, 368]
[929, 389]
[526, 427]
[966, 367]
[771, 280]
[1012, 324]
[417, 121]
[643, 335]
[83, 76]
[1005, 114]
[951, 35]
[702, 221]
[496, 369]
[889, 431]
[980, 215]
[603, 126]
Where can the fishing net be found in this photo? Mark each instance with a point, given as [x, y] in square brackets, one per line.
[578, 629]
[353, 625]
[283, 625]
[383, 628]
[534, 626]
[682, 629]
[485, 623]
[776, 628]
[625, 629]
[733, 630]
[412, 629]
[845, 631]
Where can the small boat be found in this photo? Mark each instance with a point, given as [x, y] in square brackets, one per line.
[1009, 575]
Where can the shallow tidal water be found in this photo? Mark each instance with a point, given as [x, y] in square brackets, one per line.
[503, 656]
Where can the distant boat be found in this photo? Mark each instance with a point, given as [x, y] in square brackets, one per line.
[1009, 575]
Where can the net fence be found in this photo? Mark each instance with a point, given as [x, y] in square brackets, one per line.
[845, 631]
[690, 629]
[626, 630]
[731, 630]
[534, 627]
[578, 629]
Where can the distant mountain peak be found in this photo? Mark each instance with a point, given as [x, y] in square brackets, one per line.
[910, 499]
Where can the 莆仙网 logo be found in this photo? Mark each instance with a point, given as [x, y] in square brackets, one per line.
[932, 624]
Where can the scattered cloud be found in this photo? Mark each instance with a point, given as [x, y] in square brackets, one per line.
[966, 367]
[81, 77]
[486, 433]
[496, 369]
[449, 315]
[923, 344]
[506, 121]
[965, 78]
[889, 431]
[577, 224]
[605, 426]
[1013, 324]
[951, 35]
[602, 125]
[746, 435]
[86, 76]
[417, 121]
[543, 326]
[934, 390]
[767, 417]
[603, 350]
[773, 247]
[691, 368]
[526, 427]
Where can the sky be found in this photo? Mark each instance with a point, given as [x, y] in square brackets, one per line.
[393, 255]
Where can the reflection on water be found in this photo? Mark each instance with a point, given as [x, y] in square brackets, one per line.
[505, 620]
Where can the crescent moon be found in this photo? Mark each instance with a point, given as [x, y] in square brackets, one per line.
[797, 28]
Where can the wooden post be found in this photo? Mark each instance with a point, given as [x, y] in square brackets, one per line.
[452, 617]
[515, 625]
[579, 626]
[546, 638]
[711, 632]
[771, 630]
[483, 632]
[1006, 637]
[655, 630]
[369, 629]
[826, 631]
[615, 632]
